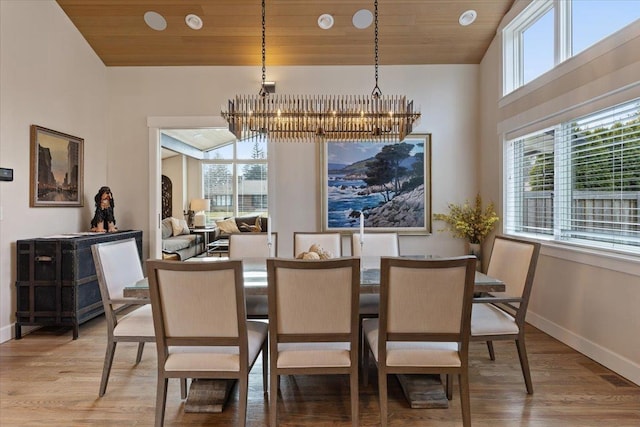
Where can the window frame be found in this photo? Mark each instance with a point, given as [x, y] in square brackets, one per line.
[513, 46]
[512, 42]
[564, 213]
[234, 162]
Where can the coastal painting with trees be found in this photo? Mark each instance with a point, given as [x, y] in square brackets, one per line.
[387, 182]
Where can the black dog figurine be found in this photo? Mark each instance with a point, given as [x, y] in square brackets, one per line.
[104, 219]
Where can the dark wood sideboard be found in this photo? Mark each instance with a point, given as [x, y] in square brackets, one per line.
[56, 282]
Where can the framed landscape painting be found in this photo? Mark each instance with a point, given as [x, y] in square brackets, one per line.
[389, 183]
[56, 168]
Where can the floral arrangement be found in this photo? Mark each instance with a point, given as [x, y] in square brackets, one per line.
[468, 221]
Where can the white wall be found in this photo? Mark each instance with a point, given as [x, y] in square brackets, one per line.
[447, 95]
[49, 76]
[586, 299]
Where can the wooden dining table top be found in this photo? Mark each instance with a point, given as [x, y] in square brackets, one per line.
[255, 279]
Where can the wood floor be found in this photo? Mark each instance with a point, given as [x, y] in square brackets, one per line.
[47, 379]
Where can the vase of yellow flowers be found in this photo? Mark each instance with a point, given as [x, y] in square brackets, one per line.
[471, 222]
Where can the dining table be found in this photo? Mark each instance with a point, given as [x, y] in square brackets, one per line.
[421, 391]
[255, 279]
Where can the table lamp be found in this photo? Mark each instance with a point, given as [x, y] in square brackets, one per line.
[199, 206]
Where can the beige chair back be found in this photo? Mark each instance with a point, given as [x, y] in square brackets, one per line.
[252, 245]
[197, 300]
[512, 261]
[427, 297]
[375, 245]
[331, 242]
[117, 266]
[313, 297]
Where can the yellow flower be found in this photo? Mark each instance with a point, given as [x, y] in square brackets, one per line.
[469, 222]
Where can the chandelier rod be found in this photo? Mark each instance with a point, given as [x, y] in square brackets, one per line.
[263, 90]
[376, 90]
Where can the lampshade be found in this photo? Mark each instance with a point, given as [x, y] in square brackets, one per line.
[198, 205]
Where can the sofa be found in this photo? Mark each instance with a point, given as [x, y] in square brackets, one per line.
[178, 242]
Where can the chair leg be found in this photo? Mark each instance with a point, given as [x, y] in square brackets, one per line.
[244, 391]
[449, 386]
[183, 388]
[382, 392]
[524, 363]
[265, 367]
[364, 346]
[161, 400]
[140, 349]
[106, 369]
[354, 396]
[273, 396]
[492, 355]
[361, 350]
[463, 379]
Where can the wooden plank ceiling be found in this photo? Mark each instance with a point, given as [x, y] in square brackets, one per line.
[410, 31]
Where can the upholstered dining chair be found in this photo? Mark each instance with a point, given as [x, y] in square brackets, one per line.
[424, 323]
[254, 245]
[501, 315]
[313, 322]
[331, 242]
[201, 327]
[374, 246]
[128, 319]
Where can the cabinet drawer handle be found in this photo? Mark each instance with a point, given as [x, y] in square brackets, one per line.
[44, 258]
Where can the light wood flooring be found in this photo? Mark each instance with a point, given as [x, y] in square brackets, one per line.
[47, 379]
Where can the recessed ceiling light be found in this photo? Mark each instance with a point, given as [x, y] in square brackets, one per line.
[155, 20]
[325, 21]
[467, 17]
[193, 21]
[362, 19]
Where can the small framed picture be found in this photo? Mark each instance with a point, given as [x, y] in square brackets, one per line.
[57, 174]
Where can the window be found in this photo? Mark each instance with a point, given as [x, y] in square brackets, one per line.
[548, 32]
[537, 47]
[593, 20]
[235, 179]
[578, 181]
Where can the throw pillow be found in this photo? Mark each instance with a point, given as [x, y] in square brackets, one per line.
[179, 226]
[167, 228]
[251, 228]
[227, 226]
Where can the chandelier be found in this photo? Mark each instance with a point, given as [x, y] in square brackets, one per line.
[310, 117]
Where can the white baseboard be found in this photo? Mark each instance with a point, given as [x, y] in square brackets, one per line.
[7, 333]
[619, 364]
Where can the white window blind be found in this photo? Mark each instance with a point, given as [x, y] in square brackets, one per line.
[529, 183]
[579, 181]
